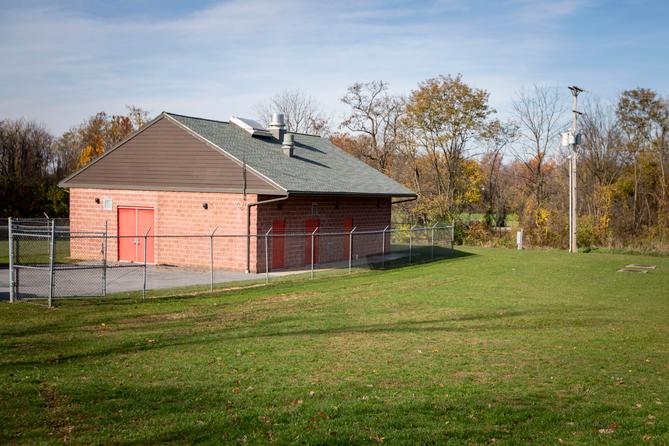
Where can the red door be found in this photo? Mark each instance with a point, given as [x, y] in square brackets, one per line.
[311, 225]
[127, 231]
[278, 229]
[133, 224]
[348, 227]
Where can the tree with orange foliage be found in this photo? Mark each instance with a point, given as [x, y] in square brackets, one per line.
[101, 132]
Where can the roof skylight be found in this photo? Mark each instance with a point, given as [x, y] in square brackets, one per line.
[251, 126]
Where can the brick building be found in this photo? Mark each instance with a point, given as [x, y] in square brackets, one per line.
[186, 176]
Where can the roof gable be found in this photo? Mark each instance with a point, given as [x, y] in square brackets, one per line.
[165, 156]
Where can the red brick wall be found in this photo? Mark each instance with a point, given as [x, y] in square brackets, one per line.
[182, 213]
[175, 213]
[367, 214]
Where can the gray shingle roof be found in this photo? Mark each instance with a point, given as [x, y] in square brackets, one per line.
[318, 166]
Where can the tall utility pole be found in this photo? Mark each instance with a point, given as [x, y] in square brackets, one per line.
[573, 139]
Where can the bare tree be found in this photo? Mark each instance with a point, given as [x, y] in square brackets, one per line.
[539, 113]
[25, 153]
[303, 114]
[644, 118]
[496, 138]
[376, 114]
[25, 158]
[601, 148]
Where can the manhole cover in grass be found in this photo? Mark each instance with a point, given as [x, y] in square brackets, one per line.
[633, 270]
[635, 266]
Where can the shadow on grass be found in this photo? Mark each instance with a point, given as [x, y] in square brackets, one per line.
[419, 255]
[489, 321]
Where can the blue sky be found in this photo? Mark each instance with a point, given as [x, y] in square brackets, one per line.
[63, 61]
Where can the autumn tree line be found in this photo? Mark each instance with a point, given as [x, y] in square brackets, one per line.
[32, 161]
[448, 144]
[442, 140]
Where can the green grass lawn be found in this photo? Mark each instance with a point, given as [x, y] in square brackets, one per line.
[495, 347]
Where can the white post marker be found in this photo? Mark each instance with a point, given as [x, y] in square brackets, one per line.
[519, 239]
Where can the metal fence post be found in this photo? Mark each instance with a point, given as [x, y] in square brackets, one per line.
[452, 233]
[267, 255]
[211, 259]
[104, 262]
[11, 260]
[383, 247]
[432, 229]
[312, 252]
[146, 236]
[350, 248]
[411, 242]
[52, 255]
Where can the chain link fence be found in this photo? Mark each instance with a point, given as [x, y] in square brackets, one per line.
[48, 262]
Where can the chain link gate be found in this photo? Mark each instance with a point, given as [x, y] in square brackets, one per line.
[40, 262]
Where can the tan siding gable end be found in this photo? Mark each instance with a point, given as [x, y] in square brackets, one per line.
[164, 156]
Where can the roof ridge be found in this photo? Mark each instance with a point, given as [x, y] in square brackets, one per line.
[228, 122]
[196, 117]
[306, 134]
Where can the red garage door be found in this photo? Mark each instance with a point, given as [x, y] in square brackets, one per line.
[133, 224]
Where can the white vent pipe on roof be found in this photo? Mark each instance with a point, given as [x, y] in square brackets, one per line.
[277, 127]
[277, 120]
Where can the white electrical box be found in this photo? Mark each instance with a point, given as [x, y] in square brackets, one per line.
[107, 204]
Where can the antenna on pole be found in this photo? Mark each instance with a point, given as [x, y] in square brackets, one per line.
[572, 139]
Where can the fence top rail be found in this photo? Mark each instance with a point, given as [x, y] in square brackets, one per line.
[64, 233]
[31, 234]
[33, 230]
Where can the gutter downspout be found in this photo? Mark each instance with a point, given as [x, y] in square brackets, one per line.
[248, 227]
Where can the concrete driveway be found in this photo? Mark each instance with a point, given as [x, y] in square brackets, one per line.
[89, 282]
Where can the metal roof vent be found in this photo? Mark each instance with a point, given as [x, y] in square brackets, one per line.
[251, 126]
[277, 127]
[277, 120]
[288, 145]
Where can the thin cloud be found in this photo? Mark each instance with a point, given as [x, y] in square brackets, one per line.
[63, 65]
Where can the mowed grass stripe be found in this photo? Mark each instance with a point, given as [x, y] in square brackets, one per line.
[492, 346]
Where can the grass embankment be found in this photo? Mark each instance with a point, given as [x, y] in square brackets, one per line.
[499, 346]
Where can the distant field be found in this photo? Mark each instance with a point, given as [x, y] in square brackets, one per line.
[4, 253]
[492, 346]
[38, 253]
[511, 219]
